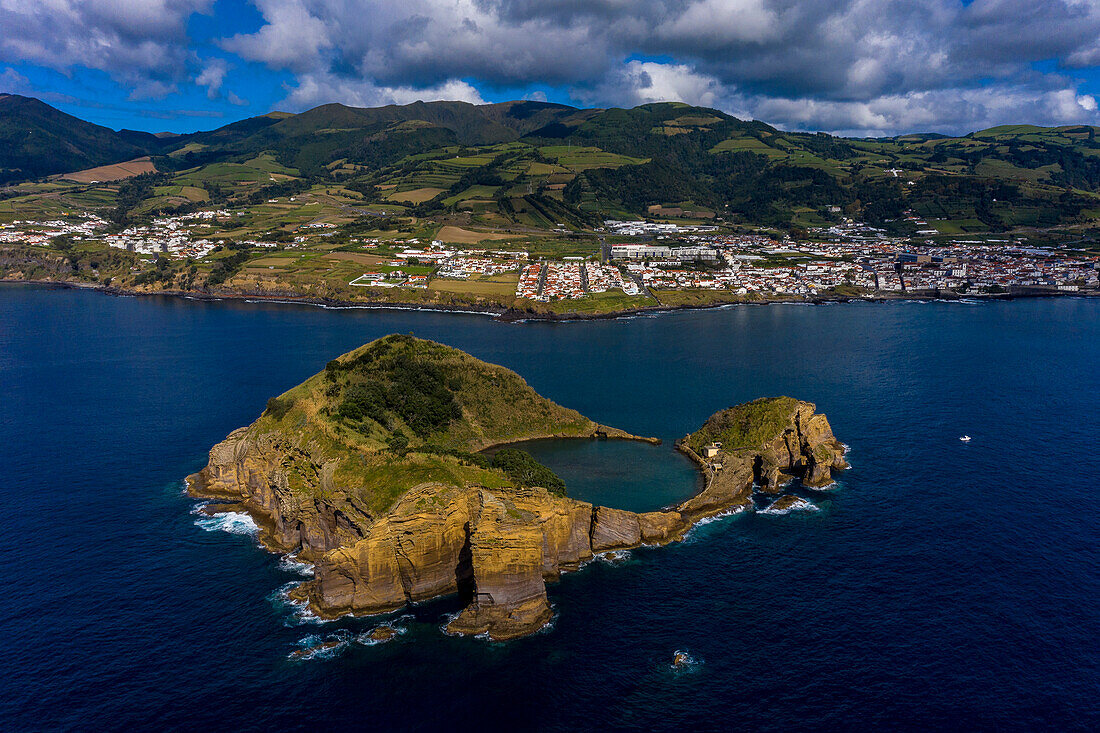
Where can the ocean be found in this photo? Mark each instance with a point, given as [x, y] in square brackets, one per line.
[940, 584]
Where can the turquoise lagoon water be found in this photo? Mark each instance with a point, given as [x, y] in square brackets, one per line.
[623, 474]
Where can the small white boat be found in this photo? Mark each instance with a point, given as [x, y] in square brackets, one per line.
[965, 438]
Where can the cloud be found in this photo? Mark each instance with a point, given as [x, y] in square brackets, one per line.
[316, 89]
[292, 37]
[957, 111]
[212, 76]
[641, 82]
[851, 62]
[721, 23]
[140, 43]
[12, 82]
[845, 64]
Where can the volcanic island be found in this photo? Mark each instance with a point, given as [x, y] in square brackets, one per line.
[375, 471]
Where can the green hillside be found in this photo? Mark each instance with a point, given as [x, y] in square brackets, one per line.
[401, 411]
[539, 165]
[37, 140]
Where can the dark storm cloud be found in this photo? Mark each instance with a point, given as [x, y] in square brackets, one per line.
[884, 65]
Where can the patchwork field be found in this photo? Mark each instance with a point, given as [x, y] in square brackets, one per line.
[457, 235]
[416, 195]
[584, 158]
[362, 259]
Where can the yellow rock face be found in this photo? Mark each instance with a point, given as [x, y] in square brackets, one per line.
[506, 551]
[411, 554]
[495, 547]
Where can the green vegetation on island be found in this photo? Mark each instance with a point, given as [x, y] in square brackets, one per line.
[402, 411]
[747, 425]
[381, 489]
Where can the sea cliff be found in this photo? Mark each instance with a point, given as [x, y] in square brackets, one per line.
[387, 523]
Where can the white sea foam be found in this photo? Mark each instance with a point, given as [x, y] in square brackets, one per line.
[447, 619]
[366, 640]
[800, 505]
[298, 612]
[690, 535]
[614, 557]
[315, 646]
[548, 627]
[292, 564]
[232, 522]
[683, 661]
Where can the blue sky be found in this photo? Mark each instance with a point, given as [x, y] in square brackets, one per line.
[850, 67]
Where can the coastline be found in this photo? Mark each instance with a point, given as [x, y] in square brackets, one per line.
[513, 315]
[506, 542]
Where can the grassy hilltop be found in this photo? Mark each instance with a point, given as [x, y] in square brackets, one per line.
[402, 411]
[748, 425]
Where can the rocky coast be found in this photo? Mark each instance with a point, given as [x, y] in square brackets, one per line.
[390, 523]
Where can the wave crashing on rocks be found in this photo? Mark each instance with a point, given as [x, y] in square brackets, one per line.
[790, 503]
[232, 522]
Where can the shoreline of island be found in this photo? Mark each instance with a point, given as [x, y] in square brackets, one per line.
[514, 315]
[495, 542]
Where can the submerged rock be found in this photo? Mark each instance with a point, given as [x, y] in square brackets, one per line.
[380, 634]
[789, 503]
[315, 648]
[681, 660]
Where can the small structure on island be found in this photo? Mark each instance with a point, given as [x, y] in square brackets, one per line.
[711, 450]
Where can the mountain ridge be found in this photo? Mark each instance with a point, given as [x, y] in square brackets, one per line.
[547, 164]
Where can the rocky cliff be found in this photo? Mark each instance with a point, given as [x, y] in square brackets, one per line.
[388, 524]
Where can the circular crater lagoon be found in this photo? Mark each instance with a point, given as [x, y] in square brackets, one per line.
[623, 474]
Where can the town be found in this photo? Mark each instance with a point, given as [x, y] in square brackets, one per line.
[647, 258]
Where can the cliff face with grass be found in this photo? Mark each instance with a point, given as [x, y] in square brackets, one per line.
[761, 446]
[370, 469]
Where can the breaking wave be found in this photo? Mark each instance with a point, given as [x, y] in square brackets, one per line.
[232, 522]
[614, 557]
[380, 634]
[799, 505]
[298, 612]
[690, 535]
[315, 646]
[292, 564]
[683, 661]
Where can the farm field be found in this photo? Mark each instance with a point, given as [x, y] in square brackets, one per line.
[115, 172]
[502, 286]
[416, 195]
[458, 235]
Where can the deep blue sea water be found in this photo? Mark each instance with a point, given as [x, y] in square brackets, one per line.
[941, 584]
